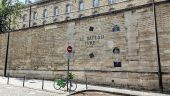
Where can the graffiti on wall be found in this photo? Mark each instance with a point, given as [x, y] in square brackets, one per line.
[91, 40]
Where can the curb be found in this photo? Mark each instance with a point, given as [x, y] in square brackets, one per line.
[93, 90]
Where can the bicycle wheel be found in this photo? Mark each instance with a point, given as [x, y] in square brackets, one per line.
[56, 86]
[73, 86]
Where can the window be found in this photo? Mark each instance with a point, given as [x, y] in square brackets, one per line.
[55, 20]
[81, 5]
[111, 9]
[115, 28]
[116, 50]
[44, 22]
[56, 11]
[91, 55]
[34, 24]
[95, 3]
[24, 26]
[45, 14]
[81, 16]
[95, 13]
[24, 17]
[34, 15]
[14, 27]
[110, 1]
[67, 18]
[91, 28]
[68, 8]
[117, 64]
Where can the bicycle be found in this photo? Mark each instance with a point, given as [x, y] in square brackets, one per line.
[61, 84]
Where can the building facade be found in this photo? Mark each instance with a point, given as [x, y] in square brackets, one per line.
[114, 42]
[51, 11]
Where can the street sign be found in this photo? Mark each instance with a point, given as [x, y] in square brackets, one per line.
[69, 49]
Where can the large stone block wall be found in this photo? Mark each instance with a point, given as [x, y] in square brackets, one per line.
[41, 52]
[164, 41]
[3, 46]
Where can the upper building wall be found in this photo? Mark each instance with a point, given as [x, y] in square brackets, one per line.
[88, 8]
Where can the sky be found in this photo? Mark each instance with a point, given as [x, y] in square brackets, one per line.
[24, 1]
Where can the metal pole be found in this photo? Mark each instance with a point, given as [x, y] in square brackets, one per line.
[68, 74]
[158, 51]
[70, 85]
[30, 18]
[8, 80]
[86, 82]
[6, 58]
[24, 81]
[43, 84]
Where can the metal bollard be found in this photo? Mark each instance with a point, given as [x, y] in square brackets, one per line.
[43, 84]
[24, 81]
[86, 82]
[8, 80]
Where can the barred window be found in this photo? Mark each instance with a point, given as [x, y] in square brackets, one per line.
[116, 28]
[24, 26]
[56, 11]
[34, 15]
[68, 8]
[110, 1]
[67, 18]
[44, 22]
[116, 50]
[34, 24]
[81, 5]
[45, 14]
[95, 13]
[55, 20]
[24, 17]
[95, 3]
[81, 16]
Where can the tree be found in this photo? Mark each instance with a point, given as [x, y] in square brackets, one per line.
[9, 10]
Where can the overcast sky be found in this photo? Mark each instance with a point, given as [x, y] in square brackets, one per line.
[24, 1]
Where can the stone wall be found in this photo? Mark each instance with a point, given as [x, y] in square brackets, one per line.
[103, 7]
[41, 51]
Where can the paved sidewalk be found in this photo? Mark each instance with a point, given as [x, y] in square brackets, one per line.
[9, 90]
[48, 86]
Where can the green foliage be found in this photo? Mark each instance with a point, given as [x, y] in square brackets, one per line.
[60, 82]
[71, 76]
[9, 10]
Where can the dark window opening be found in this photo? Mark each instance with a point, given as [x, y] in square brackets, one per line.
[117, 64]
[91, 29]
[95, 13]
[116, 50]
[111, 9]
[45, 13]
[81, 16]
[24, 17]
[91, 55]
[115, 28]
[67, 18]
[34, 24]
[44, 22]
[24, 26]
[55, 20]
